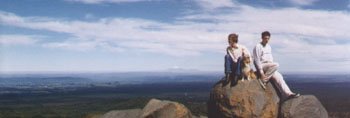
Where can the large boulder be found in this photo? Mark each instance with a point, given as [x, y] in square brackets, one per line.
[306, 106]
[165, 109]
[154, 109]
[132, 113]
[246, 99]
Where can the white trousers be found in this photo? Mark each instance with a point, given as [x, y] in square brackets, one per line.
[270, 71]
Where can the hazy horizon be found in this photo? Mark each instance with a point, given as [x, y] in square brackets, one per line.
[197, 72]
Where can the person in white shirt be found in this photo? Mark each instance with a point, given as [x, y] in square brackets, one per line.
[233, 58]
[267, 68]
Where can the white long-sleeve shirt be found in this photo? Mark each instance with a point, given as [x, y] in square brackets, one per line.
[262, 54]
[235, 53]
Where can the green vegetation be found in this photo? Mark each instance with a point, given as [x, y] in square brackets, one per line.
[62, 107]
[89, 102]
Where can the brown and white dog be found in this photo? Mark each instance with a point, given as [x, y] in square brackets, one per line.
[246, 70]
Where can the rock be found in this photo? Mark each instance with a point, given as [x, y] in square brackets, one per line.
[154, 109]
[246, 99]
[199, 117]
[133, 113]
[306, 106]
[165, 109]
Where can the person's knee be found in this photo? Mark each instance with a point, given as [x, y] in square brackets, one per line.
[278, 76]
[227, 59]
[275, 66]
[227, 56]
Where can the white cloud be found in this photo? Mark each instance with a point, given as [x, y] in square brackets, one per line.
[79, 46]
[307, 37]
[123, 33]
[286, 21]
[302, 2]
[214, 4]
[9, 40]
[105, 1]
[89, 16]
[159, 48]
[83, 46]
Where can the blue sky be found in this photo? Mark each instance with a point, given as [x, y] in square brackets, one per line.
[161, 35]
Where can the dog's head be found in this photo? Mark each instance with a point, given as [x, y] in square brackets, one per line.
[247, 71]
[246, 61]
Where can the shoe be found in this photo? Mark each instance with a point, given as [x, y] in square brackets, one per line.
[262, 84]
[294, 95]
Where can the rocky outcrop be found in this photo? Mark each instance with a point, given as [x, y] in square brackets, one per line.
[133, 113]
[165, 109]
[306, 106]
[154, 109]
[246, 99]
[199, 117]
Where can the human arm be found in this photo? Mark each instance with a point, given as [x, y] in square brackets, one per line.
[257, 55]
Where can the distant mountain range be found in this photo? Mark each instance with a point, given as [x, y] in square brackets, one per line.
[77, 79]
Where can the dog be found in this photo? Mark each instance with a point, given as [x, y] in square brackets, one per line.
[246, 70]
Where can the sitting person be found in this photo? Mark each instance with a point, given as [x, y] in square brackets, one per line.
[233, 58]
[267, 69]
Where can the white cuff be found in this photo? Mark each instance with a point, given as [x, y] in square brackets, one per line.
[261, 71]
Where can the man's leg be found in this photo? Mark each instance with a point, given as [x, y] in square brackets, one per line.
[269, 70]
[281, 84]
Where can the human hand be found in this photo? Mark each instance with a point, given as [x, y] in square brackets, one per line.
[262, 76]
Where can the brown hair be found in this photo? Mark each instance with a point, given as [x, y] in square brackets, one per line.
[233, 37]
[265, 33]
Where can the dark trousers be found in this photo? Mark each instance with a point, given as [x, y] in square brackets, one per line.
[231, 66]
